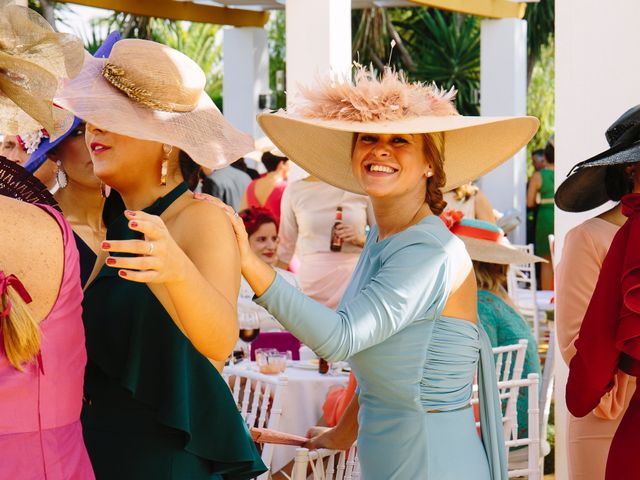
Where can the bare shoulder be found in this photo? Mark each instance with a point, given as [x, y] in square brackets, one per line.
[32, 248]
[199, 222]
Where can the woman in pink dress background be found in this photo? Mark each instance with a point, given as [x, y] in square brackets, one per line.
[594, 181]
[266, 191]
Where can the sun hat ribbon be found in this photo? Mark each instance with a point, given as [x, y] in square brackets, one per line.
[476, 232]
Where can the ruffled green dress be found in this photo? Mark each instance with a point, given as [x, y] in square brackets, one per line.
[155, 408]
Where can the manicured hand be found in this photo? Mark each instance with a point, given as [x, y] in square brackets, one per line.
[241, 234]
[349, 233]
[158, 258]
[323, 437]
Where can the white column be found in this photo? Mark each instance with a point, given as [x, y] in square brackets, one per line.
[318, 42]
[596, 82]
[503, 92]
[246, 76]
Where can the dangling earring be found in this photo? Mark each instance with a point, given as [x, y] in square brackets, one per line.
[61, 175]
[105, 190]
[166, 151]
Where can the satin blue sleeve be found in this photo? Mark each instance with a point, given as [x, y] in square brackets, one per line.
[411, 280]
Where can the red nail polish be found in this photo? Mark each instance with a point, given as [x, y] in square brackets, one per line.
[106, 245]
[134, 224]
[122, 273]
[111, 261]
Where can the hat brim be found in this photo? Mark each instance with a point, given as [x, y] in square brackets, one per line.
[18, 183]
[473, 146]
[585, 189]
[493, 252]
[203, 133]
[46, 145]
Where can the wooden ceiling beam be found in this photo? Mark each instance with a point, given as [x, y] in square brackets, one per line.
[182, 10]
[481, 8]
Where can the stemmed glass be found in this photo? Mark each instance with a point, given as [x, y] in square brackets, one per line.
[249, 322]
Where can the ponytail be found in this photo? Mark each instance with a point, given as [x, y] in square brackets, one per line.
[20, 331]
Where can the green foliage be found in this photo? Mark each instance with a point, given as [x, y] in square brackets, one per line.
[446, 50]
[541, 97]
[276, 41]
[540, 19]
[50, 10]
[376, 40]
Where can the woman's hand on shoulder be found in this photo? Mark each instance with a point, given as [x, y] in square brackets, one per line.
[157, 258]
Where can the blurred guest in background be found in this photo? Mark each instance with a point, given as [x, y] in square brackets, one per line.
[470, 200]
[309, 209]
[608, 176]
[267, 190]
[537, 160]
[542, 185]
[228, 184]
[262, 229]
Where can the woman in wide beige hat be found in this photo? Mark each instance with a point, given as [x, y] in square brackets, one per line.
[408, 320]
[161, 303]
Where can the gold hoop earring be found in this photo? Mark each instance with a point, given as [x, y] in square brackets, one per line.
[166, 151]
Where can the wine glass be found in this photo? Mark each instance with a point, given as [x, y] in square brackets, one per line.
[249, 323]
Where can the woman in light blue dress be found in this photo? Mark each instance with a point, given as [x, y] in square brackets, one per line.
[408, 321]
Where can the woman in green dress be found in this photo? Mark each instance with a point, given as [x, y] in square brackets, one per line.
[160, 306]
[542, 183]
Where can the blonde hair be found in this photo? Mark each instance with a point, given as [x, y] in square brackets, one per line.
[465, 191]
[490, 276]
[20, 331]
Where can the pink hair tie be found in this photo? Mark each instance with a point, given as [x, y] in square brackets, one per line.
[7, 281]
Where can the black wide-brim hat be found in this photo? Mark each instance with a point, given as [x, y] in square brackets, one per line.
[585, 186]
[18, 183]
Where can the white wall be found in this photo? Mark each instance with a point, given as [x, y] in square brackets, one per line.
[597, 75]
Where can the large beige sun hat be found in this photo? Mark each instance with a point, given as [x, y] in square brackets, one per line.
[317, 130]
[33, 61]
[486, 242]
[149, 91]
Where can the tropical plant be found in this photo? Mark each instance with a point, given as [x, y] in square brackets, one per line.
[376, 40]
[276, 41]
[540, 19]
[541, 98]
[50, 10]
[446, 50]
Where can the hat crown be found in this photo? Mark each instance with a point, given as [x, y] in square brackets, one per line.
[622, 130]
[158, 73]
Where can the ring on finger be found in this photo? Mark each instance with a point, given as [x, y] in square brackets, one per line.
[151, 247]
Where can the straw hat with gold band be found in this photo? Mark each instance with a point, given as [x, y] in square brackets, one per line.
[485, 242]
[317, 131]
[33, 60]
[149, 91]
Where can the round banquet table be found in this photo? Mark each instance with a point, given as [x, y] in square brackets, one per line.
[302, 405]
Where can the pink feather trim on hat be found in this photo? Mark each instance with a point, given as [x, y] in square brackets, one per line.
[369, 99]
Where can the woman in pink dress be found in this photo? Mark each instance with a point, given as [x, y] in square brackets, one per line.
[42, 353]
[266, 191]
[604, 177]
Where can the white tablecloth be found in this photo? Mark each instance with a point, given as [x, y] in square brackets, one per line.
[302, 406]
